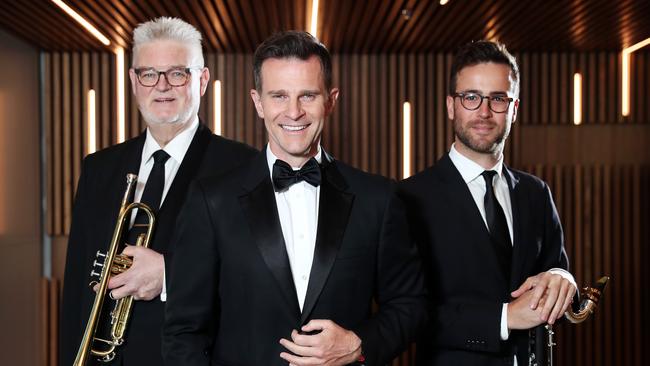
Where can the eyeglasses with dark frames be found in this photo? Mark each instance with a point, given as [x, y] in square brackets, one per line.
[177, 76]
[473, 101]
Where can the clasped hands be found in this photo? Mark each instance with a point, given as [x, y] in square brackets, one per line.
[143, 280]
[331, 346]
[540, 299]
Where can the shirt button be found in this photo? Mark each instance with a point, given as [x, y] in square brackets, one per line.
[304, 277]
[301, 236]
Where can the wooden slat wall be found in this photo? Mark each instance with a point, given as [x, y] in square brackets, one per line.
[603, 207]
[605, 210]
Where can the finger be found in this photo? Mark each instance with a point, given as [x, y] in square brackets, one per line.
[296, 349]
[568, 299]
[557, 311]
[552, 296]
[538, 292]
[308, 340]
[316, 324]
[299, 361]
[527, 285]
[130, 250]
[124, 291]
[118, 280]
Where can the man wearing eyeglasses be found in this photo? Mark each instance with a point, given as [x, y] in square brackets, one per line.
[168, 78]
[489, 235]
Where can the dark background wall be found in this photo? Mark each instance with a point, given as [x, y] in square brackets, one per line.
[20, 219]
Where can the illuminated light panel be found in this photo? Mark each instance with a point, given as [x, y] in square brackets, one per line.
[577, 98]
[625, 77]
[84, 23]
[406, 143]
[119, 82]
[443, 2]
[313, 23]
[91, 139]
[217, 107]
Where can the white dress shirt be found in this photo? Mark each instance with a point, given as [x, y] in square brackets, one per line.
[176, 148]
[298, 212]
[471, 173]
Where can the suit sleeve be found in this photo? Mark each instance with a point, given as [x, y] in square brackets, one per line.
[75, 277]
[192, 284]
[553, 252]
[400, 292]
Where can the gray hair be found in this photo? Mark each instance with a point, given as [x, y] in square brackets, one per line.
[166, 28]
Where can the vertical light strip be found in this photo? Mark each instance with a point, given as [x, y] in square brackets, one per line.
[91, 139]
[313, 24]
[84, 23]
[625, 77]
[577, 98]
[217, 107]
[625, 81]
[119, 82]
[406, 141]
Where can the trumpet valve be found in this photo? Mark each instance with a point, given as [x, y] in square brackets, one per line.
[121, 263]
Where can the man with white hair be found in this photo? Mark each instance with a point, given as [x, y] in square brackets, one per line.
[168, 78]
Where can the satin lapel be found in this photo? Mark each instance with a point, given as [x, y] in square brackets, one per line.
[261, 212]
[187, 171]
[520, 213]
[334, 210]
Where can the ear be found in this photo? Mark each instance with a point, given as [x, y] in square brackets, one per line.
[331, 102]
[257, 102]
[205, 78]
[450, 107]
[134, 79]
[515, 109]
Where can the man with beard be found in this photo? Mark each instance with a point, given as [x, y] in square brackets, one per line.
[168, 78]
[490, 236]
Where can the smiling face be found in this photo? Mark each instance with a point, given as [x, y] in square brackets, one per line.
[165, 104]
[294, 103]
[482, 131]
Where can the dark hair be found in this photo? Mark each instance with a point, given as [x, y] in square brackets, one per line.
[479, 52]
[292, 44]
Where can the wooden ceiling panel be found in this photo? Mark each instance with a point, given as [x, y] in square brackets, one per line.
[362, 26]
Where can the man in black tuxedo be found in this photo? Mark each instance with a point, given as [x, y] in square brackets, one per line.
[490, 236]
[168, 78]
[284, 257]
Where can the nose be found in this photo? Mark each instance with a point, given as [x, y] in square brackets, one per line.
[162, 84]
[484, 109]
[294, 109]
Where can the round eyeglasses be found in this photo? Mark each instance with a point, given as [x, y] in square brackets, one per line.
[177, 76]
[473, 101]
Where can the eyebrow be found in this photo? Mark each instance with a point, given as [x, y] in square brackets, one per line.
[498, 92]
[302, 92]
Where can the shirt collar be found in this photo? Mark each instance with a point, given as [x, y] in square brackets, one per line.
[271, 158]
[176, 148]
[468, 169]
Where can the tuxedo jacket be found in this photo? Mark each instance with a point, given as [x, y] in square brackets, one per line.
[231, 295]
[467, 286]
[97, 203]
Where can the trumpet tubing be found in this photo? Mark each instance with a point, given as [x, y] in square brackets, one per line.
[113, 264]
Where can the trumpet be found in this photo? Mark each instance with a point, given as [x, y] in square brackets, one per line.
[113, 263]
[542, 351]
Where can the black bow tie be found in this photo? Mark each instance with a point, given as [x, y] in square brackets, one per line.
[284, 176]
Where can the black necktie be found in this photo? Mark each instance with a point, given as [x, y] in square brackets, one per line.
[497, 224]
[284, 176]
[151, 195]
